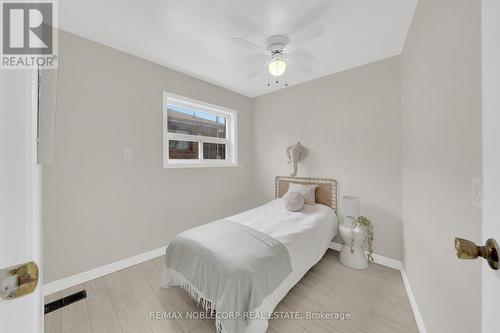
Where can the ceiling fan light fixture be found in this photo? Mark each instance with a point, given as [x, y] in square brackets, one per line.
[277, 67]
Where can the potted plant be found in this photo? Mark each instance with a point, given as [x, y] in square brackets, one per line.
[364, 223]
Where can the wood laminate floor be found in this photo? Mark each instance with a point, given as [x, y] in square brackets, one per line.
[375, 299]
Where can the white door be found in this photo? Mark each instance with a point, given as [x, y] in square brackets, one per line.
[491, 157]
[20, 231]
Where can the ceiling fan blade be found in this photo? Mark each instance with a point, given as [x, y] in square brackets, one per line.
[249, 45]
[304, 69]
[306, 36]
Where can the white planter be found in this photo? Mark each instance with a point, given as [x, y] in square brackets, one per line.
[352, 254]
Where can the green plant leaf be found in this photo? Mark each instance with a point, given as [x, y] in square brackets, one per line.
[366, 224]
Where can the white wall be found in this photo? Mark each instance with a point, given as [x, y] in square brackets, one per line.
[491, 158]
[99, 208]
[351, 124]
[441, 99]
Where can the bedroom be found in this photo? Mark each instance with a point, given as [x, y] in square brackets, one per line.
[175, 144]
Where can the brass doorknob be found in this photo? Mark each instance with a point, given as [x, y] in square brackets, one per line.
[17, 281]
[469, 250]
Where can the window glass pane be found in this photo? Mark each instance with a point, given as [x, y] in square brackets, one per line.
[214, 151]
[182, 150]
[186, 121]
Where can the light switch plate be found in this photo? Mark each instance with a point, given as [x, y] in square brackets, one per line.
[127, 153]
[477, 192]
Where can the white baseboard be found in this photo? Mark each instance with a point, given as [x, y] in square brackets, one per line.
[74, 280]
[413, 303]
[378, 259]
[335, 246]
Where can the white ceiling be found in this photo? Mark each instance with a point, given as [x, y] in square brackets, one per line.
[194, 36]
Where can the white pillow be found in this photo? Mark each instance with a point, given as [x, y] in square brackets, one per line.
[308, 191]
[294, 201]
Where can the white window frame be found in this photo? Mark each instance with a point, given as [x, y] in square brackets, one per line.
[230, 141]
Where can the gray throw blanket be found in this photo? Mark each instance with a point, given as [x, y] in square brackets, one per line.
[228, 267]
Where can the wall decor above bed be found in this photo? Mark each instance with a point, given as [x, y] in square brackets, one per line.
[326, 192]
[296, 153]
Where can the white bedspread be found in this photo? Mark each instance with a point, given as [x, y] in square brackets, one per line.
[306, 234]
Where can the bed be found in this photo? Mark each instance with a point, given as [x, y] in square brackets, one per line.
[298, 240]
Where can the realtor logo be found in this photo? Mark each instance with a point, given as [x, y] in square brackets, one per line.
[28, 34]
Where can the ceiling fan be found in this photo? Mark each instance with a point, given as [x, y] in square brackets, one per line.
[278, 48]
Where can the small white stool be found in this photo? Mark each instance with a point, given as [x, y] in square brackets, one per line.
[352, 254]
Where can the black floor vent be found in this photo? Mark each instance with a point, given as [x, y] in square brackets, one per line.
[53, 306]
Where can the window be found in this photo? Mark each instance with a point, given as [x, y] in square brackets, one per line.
[197, 134]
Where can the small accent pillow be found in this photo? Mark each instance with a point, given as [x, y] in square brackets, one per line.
[308, 191]
[294, 201]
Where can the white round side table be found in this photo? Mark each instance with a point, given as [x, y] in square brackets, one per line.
[352, 254]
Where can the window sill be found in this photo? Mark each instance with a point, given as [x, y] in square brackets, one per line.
[198, 164]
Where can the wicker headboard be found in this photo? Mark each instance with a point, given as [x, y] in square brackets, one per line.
[326, 192]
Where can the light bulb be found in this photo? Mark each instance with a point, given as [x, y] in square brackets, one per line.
[277, 67]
